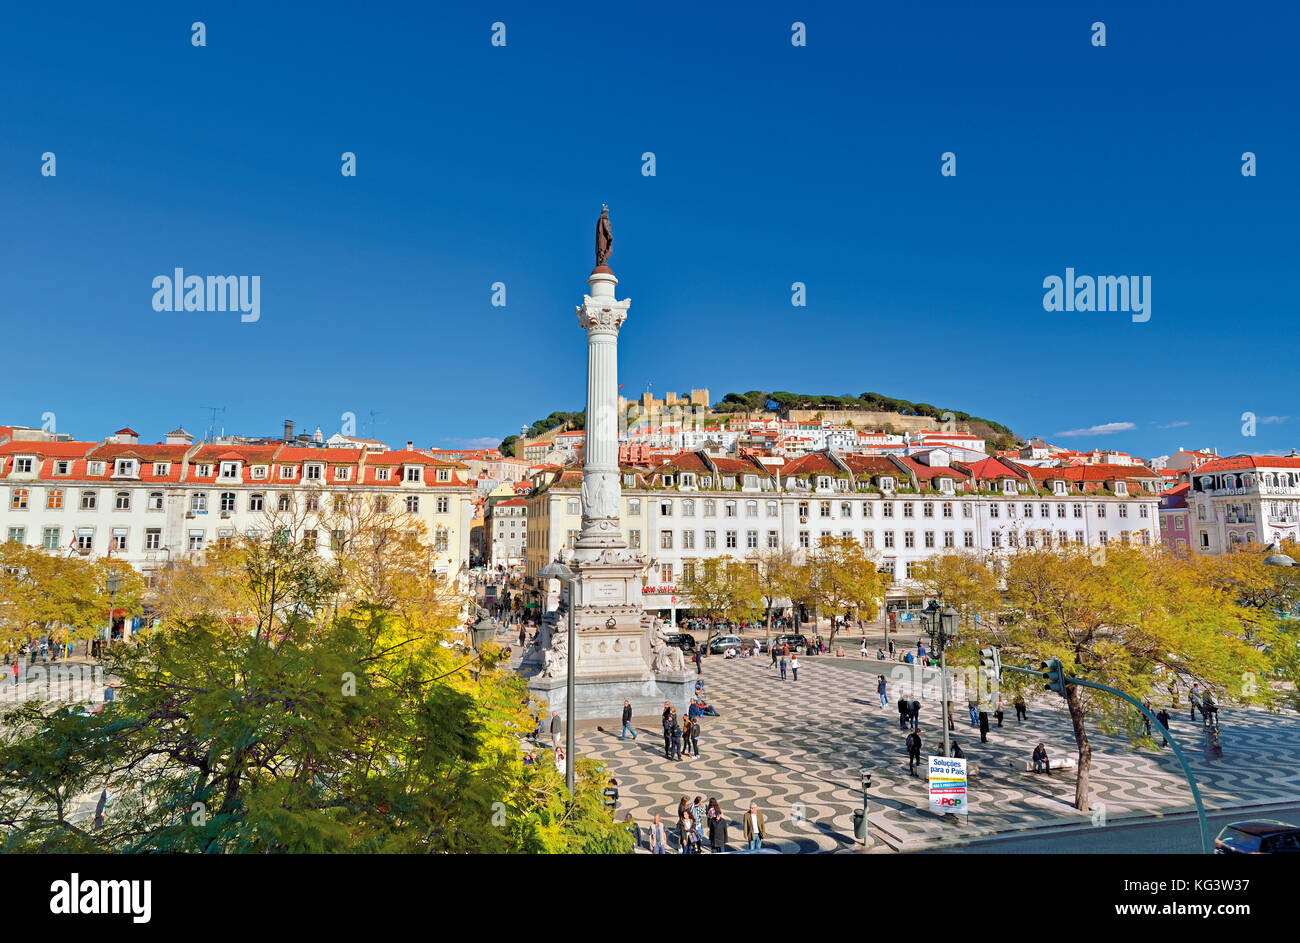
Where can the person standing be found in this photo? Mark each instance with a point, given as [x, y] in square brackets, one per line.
[627, 721]
[686, 737]
[556, 729]
[755, 828]
[99, 809]
[904, 711]
[773, 647]
[611, 796]
[676, 732]
[915, 710]
[913, 751]
[1195, 698]
[699, 667]
[717, 827]
[998, 711]
[658, 837]
[668, 731]
[782, 667]
[881, 689]
[1022, 713]
[984, 726]
[700, 816]
[794, 667]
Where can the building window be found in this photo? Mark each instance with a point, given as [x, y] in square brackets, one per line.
[1101, 510]
[314, 472]
[968, 538]
[1102, 537]
[227, 502]
[869, 540]
[665, 509]
[153, 538]
[909, 538]
[18, 535]
[1078, 510]
[256, 502]
[22, 466]
[155, 500]
[803, 539]
[929, 538]
[889, 539]
[442, 505]
[634, 507]
[118, 540]
[773, 541]
[824, 508]
[751, 509]
[229, 469]
[444, 474]
[771, 509]
[710, 540]
[285, 501]
[927, 509]
[995, 540]
[54, 499]
[907, 509]
[412, 473]
[688, 540]
[1123, 510]
[412, 504]
[751, 539]
[688, 508]
[1143, 511]
[199, 501]
[89, 500]
[634, 539]
[731, 540]
[196, 540]
[309, 538]
[731, 508]
[18, 499]
[86, 539]
[122, 500]
[313, 502]
[50, 538]
[574, 506]
[994, 509]
[665, 540]
[966, 510]
[947, 509]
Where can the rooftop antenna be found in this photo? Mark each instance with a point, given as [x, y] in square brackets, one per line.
[212, 425]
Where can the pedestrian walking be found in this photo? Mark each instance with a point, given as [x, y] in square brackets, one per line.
[914, 709]
[782, 667]
[1164, 719]
[984, 726]
[774, 649]
[695, 738]
[1022, 712]
[881, 689]
[998, 712]
[627, 721]
[755, 828]
[1195, 698]
[557, 727]
[913, 744]
[794, 667]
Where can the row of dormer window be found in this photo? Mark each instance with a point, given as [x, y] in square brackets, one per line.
[127, 468]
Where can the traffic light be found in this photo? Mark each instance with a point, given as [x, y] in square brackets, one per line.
[991, 663]
[1055, 675]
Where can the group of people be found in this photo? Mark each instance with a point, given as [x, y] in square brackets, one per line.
[702, 826]
[679, 739]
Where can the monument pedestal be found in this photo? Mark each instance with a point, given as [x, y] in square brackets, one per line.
[600, 697]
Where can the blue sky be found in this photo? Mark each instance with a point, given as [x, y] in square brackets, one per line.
[775, 164]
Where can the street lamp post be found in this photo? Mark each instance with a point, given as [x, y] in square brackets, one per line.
[866, 809]
[942, 621]
[111, 585]
[562, 573]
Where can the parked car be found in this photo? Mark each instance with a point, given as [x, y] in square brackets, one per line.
[798, 643]
[683, 640]
[1258, 837]
[720, 644]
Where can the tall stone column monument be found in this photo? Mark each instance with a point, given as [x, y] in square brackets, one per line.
[620, 652]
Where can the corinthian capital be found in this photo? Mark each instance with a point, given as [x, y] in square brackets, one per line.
[602, 315]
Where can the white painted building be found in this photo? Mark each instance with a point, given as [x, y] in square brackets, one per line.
[1243, 500]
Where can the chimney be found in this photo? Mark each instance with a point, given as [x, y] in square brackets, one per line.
[288, 430]
[409, 445]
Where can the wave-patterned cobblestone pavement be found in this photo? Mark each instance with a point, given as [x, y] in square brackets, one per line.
[796, 748]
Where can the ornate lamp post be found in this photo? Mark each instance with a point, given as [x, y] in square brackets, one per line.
[942, 625]
[559, 571]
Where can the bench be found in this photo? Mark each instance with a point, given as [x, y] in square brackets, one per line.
[1058, 762]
